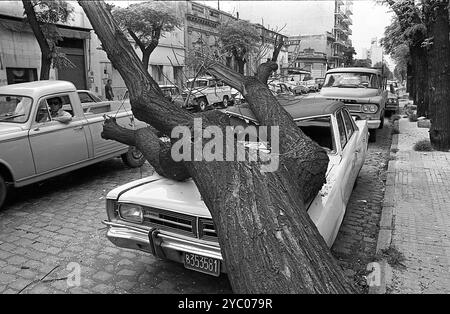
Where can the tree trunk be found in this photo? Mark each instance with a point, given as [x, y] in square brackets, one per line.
[46, 60]
[439, 73]
[268, 241]
[420, 94]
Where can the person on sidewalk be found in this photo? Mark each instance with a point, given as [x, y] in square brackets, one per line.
[108, 90]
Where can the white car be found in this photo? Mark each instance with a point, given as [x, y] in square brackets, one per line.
[206, 91]
[169, 219]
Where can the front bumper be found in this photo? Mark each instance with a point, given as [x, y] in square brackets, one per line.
[160, 243]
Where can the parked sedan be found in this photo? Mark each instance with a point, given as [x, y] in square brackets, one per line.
[170, 220]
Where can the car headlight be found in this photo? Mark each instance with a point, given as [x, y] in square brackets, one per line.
[131, 213]
[369, 108]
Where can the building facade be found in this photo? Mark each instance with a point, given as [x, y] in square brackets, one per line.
[329, 23]
[20, 55]
[202, 22]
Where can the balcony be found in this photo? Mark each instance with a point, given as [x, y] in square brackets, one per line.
[339, 42]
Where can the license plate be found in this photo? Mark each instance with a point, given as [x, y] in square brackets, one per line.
[207, 265]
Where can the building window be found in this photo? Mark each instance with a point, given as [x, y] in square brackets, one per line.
[213, 13]
[20, 75]
[157, 73]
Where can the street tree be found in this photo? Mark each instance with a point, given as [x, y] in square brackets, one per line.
[349, 52]
[268, 241]
[240, 38]
[387, 73]
[365, 63]
[409, 28]
[436, 18]
[147, 22]
[42, 17]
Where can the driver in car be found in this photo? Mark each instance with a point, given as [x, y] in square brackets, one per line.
[56, 111]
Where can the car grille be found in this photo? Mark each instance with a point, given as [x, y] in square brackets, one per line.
[201, 228]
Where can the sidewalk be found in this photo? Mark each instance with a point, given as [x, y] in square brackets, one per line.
[416, 215]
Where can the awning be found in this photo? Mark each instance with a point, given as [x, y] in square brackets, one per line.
[23, 27]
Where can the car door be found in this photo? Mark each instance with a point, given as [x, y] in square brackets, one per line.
[348, 161]
[54, 144]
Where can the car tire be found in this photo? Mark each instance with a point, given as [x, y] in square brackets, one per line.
[372, 135]
[202, 104]
[225, 102]
[3, 191]
[133, 158]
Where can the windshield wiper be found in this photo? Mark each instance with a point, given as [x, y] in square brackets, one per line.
[11, 117]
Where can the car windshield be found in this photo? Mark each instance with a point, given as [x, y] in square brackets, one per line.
[351, 80]
[319, 129]
[14, 108]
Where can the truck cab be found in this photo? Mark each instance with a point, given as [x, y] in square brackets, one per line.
[363, 92]
[35, 145]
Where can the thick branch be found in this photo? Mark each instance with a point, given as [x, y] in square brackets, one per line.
[157, 152]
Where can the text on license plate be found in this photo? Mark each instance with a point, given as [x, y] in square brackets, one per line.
[202, 264]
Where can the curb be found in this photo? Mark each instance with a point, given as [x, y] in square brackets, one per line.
[386, 221]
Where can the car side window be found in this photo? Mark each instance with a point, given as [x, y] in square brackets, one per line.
[85, 98]
[342, 135]
[348, 124]
[66, 104]
[42, 114]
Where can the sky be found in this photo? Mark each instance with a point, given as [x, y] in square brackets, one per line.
[369, 18]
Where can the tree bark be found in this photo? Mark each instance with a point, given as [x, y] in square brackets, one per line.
[46, 60]
[437, 15]
[419, 56]
[268, 241]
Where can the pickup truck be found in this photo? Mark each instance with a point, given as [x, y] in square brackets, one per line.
[34, 146]
[206, 91]
[362, 91]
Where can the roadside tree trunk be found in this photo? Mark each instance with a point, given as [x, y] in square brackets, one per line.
[419, 55]
[268, 241]
[437, 15]
[46, 60]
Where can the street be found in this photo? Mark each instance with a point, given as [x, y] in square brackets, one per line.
[49, 229]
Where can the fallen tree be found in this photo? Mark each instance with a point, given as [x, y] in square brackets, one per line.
[268, 241]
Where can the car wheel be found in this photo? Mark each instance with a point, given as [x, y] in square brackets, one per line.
[3, 191]
[225, 102]
[372, 135]
[202, 104]
[133, 158]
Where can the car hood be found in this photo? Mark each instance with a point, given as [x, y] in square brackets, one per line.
[163, 193]
[348, 93]
[9, 128]
[182, 197]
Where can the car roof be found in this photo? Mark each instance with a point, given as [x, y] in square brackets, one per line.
[38, 88]
[297, 108]
[354, 69]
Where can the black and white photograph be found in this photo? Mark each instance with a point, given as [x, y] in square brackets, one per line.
[201, 149]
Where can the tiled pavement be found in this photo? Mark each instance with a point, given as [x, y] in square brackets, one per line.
[421, 215]
[58, 222]
[49, 226]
